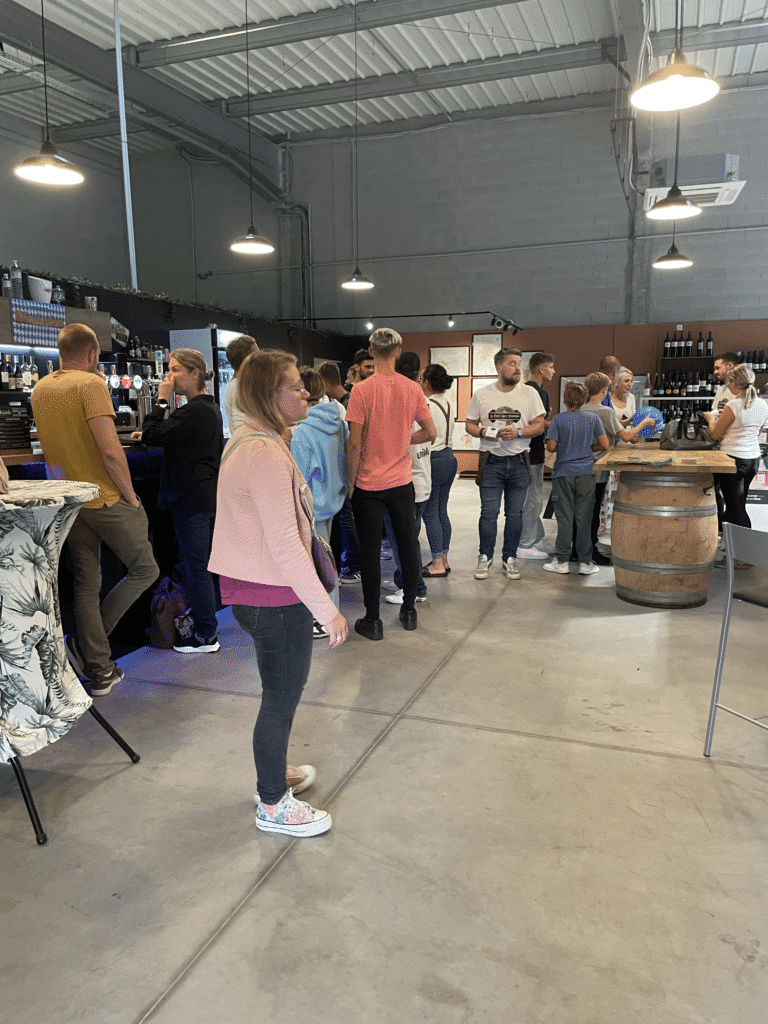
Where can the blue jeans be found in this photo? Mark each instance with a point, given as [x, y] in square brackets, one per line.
[436, 521]
[507, 475]
[397, 577]
[350, 548]
[195, 533]
[283, 641]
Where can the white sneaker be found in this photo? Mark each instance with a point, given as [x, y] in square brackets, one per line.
[397, 598]
[555, 566]
[483, 567]
[533, 552]
[544, 545]
[510, 568]
[587, 568]
[293, 818]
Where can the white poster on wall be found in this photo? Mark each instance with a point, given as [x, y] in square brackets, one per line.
[462, 441]
[455, 359]
[484, 348]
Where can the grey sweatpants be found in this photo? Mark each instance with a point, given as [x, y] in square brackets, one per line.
[574, 498]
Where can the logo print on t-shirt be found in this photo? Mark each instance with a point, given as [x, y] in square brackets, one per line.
[505, 414]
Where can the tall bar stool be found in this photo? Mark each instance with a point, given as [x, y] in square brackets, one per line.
[741, 545]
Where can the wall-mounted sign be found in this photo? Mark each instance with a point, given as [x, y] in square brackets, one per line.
[36, 324]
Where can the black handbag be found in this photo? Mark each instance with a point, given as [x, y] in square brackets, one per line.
[688, 433]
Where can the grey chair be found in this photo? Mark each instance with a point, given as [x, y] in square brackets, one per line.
[741, 545]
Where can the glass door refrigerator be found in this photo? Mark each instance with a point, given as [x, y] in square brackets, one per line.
[222, 370]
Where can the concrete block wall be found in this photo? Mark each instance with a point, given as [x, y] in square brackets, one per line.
[70, 232]
[526, 217]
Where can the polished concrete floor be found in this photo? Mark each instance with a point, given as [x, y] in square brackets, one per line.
[525, 829]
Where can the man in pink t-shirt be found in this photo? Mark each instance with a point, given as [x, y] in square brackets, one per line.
[380, 417]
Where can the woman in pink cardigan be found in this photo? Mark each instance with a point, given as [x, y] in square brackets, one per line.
[262, 553]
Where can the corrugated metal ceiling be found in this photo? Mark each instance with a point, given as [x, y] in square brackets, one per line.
[451, 41]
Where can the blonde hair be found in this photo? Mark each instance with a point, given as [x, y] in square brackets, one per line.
[595, 383]
[191, 360]
[313, 383]
[575, 395]
[744, 379]
[621, 375]
[75, 340]
[384, 341]
[239, 348]
[261, 376]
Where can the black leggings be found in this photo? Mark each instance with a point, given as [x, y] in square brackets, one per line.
[734, 487]
[369, 508]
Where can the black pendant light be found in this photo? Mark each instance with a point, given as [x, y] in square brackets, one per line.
[357, 282]
[679, 85]
[251, 243]
[674, 206]
[48, 168]
[673, 259]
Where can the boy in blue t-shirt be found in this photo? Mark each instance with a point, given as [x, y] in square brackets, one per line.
[571, 434]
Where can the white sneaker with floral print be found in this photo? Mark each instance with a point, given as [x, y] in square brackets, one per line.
[292, 817]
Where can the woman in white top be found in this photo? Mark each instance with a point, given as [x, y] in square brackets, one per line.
[737, 428]
[434, 383]
[622, 399]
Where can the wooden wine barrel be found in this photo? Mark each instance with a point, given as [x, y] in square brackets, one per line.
[664, 538]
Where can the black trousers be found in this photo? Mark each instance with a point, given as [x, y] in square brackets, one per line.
[369, 508]
[734, 487]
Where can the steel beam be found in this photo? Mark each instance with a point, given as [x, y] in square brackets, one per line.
[317, 25]
[68, 51]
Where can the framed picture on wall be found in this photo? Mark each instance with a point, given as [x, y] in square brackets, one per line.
[455, 359]
[484, 348]
[462, 441]
[563, 381]
[481, 382]
[525, 360]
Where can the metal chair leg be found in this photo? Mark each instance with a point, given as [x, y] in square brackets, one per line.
[37, 825]
[114, 734]
[718, 675]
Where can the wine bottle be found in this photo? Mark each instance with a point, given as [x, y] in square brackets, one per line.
[668, 386]
[34, 372]
[676, 386]
[684, 386]
[4, 375]
[18, 374]
[762, 361]
[26, 374]
[689, 345]
[647, 388]
[667, 346]
[710, 344]
[700, 345]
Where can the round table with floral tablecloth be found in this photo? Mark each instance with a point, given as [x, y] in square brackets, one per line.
[40, 696]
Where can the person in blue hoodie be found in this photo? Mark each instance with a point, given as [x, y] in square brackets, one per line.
[319, 447]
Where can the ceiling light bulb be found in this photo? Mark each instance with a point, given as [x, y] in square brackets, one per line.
[674, 206]
[451, 321]
[252, 243]
[48, 168]
[672, 260]
[677, 86]
[369, 325]
[357, 283]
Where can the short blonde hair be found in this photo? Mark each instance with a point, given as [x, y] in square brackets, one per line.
[239, 348]
[75, 340]
[744, 379]
[621, 375]
[261, 376]
[595, 383]
[384, 341]
[192, 360]
[575, 395]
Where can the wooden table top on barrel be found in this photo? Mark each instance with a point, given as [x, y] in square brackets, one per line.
[647, 457]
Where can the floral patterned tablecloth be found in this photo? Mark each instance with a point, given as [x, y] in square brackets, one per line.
[40, 696]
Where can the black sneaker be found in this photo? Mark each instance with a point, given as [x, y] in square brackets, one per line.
[75, 656]
[195, 645]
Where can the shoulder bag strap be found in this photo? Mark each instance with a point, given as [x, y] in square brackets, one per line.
[447, 418]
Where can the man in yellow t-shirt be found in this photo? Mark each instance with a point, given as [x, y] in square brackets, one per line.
[75, 424]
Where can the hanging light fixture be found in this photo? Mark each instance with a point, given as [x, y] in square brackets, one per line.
[251, 243]
[672, 259]
[48, 168]
[674, 206]
[369, 325]
[679, 85]
[451, 321]
[357, 282]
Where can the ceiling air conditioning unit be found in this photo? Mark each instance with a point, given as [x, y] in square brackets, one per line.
[711, 180]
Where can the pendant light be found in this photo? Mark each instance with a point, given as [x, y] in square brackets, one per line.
[251, 243]
[48, 168]
[674, 206]
[672, 259]
[679, 85]
[357, 282]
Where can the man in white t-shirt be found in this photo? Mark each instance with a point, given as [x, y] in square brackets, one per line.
[505, 416]
[723, 364]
